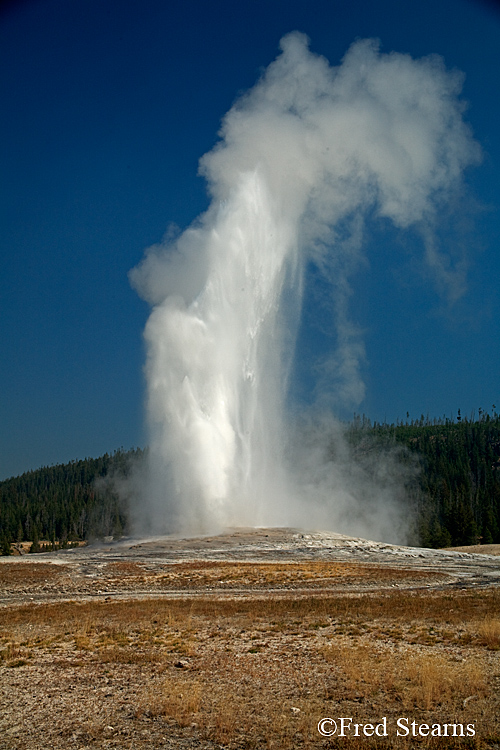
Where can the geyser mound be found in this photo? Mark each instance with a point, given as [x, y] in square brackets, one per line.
[303, 157]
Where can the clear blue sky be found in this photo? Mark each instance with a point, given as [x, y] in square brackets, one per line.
[107, 105]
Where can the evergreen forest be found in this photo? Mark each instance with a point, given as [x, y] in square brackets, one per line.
[453, 486]
[66, 503]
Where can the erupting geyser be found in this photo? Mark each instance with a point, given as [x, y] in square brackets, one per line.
[302, 157]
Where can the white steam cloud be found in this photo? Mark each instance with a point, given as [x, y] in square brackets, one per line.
[303, 158]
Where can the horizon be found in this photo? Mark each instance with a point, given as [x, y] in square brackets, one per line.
[365, 420]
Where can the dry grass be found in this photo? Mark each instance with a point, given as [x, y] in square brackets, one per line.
[279, 575]
[437, 681]
[26, 575]
[426, 609]
[249, 672]
[489, 632]
[423, 681]
[177, 697]
[13, 573]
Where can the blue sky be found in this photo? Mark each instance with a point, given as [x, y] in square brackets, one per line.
[107, 107]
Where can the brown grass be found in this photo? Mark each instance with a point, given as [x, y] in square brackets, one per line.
[222, 575]
[443, 608]
[422, 680]
[14, 573]
[489, 632]
[256, 671]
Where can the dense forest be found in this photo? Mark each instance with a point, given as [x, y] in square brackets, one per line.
[453, 486]
[65, 503]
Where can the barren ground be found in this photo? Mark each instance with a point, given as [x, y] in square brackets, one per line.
[247, 640]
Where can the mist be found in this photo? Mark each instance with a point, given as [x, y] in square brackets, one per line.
[303, 160]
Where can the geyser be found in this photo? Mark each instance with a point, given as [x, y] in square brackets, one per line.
[303, 157]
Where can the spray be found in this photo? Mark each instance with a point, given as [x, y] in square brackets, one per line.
[303, 158]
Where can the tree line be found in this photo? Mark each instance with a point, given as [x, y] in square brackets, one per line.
[66, 503]
[454, 493]
[452, 468]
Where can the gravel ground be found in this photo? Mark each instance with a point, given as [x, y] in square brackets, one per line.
[245, 640]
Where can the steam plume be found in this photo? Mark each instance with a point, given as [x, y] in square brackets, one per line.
[303, 158]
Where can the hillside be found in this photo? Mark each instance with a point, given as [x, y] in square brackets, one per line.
[455, 493]
[66, 502]
[453, 485]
